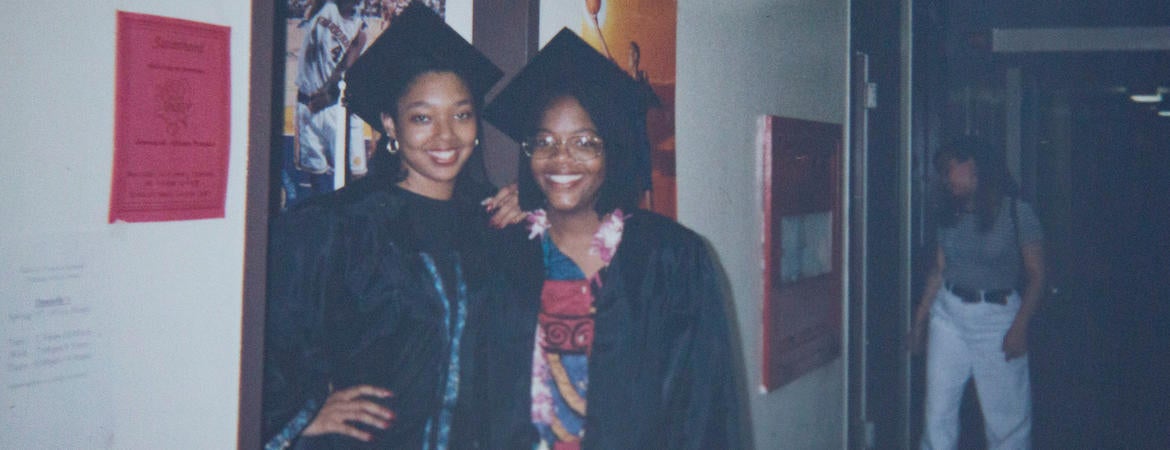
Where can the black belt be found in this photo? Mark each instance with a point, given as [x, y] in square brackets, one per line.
[968, 295]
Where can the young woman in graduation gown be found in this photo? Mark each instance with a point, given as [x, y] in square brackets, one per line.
[613, 334]
[374, 290]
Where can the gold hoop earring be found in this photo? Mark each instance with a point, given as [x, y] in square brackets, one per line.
[392, 146]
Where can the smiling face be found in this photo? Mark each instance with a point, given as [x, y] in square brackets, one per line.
[569, 185]
[436, 130]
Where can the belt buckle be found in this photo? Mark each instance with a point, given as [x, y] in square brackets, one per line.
[998, 297]
[964, 294]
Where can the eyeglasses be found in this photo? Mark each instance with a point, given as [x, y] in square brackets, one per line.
[582, 147]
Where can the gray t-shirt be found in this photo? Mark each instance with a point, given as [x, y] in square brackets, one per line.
[988, 260]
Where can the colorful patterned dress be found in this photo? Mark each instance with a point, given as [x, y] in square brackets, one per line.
[560, 359]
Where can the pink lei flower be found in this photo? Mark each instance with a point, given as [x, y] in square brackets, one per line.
[537, 223]
[606, 241]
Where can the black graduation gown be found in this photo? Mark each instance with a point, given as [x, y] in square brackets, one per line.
[350, 302]
[660, 372]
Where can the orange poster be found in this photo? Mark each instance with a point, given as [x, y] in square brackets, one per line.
[640, 37]
[172, 119]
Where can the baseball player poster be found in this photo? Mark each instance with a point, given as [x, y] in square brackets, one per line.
[323, 146]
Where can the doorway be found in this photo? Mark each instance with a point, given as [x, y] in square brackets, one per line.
[1094, 163]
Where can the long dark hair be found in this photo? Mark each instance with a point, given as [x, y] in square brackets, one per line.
[995, 182]
[619, 189]
[388, 167]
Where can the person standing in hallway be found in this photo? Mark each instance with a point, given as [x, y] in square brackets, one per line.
[982, 290]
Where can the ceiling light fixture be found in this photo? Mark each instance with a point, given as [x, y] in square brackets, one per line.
[1155, 97]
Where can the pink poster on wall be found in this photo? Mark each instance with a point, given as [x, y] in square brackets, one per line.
[172, 119]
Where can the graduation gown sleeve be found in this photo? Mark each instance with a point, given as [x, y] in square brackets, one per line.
[662, 373]
[295, 368]
[350, 302]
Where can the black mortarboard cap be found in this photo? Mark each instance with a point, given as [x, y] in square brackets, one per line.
[566, 64]
[569, 65]
[416, 38]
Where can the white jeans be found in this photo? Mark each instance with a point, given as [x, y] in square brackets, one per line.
[966, 340]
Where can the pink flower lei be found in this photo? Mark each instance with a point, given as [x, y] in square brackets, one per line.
[605, 241]
[537, 223]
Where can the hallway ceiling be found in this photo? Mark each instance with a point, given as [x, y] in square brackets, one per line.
[1097, 73]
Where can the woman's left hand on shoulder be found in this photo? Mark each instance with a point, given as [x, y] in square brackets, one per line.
[505, 207]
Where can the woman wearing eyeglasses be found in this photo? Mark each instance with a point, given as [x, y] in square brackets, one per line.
[614, 335]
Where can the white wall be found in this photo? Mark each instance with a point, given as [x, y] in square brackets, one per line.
[164, 298]
[737, 61]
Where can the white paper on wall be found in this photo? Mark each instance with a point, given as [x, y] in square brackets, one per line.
[53, 390]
